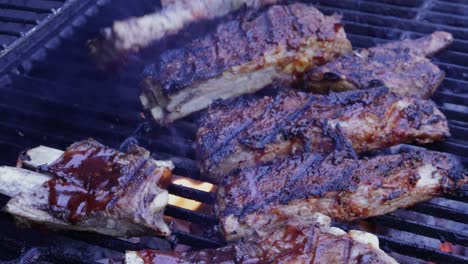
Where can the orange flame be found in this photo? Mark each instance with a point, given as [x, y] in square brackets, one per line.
[191, 183]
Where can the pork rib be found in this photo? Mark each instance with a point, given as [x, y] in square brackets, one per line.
[91, 187]
[402, 66]
[306, 240]
[337, 185]
[130, 35]
[252, 130]
[243, 56]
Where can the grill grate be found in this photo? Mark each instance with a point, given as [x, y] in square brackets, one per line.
[62, 99]
[29, 27]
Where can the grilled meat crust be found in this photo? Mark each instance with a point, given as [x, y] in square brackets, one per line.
[218, 7]
[337, 185]
[309, 240]
[252, 130]
[96, 188]
[242, 56]
[131, 35]
[425, 46]
[402, 66]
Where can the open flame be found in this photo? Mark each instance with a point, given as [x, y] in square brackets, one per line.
[191, 183]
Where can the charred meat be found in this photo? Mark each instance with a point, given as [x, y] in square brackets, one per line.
[225, 255]
[252, 130]
[402, 66]
[130, 35]
[220, 7]
[91, 187]
[308, 240]
[243, 56]
[337, 185]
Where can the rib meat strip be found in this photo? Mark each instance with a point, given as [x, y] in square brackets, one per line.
[402, 66]
[337, 185]
[252, 130]
[130, 35]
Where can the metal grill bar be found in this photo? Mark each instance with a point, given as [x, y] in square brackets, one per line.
[441, 211]
[186, 192]
[195, 241]
[24, 8]
[17, 20]
[449, 97]
[372, 7]
[421, 229]
[453, 115]
[449, 8]
[455, 147]
[457, 130]
[394, 22]
[10, 32]
[104, 241]
[31, 5]
[420, 252]
[190, 216]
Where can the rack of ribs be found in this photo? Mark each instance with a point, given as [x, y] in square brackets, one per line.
[90, 187]
[255, 129]
[402, 66]
[242, 56]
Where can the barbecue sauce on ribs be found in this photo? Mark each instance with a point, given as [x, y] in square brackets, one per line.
[89, 178]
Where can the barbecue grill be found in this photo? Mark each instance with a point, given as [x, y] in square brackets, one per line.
[59, 97]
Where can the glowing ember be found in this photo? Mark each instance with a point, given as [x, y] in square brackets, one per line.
[446, 247]
[184, 203]
[187, 182]
[191, 183]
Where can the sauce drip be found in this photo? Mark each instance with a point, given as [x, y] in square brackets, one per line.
[337, 27]
[147, 256]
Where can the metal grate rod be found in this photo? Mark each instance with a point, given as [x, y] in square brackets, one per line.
[419, 251]
[441, 211]
[193, 194]
[190, 216]
[195, 241]
[421, 229]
